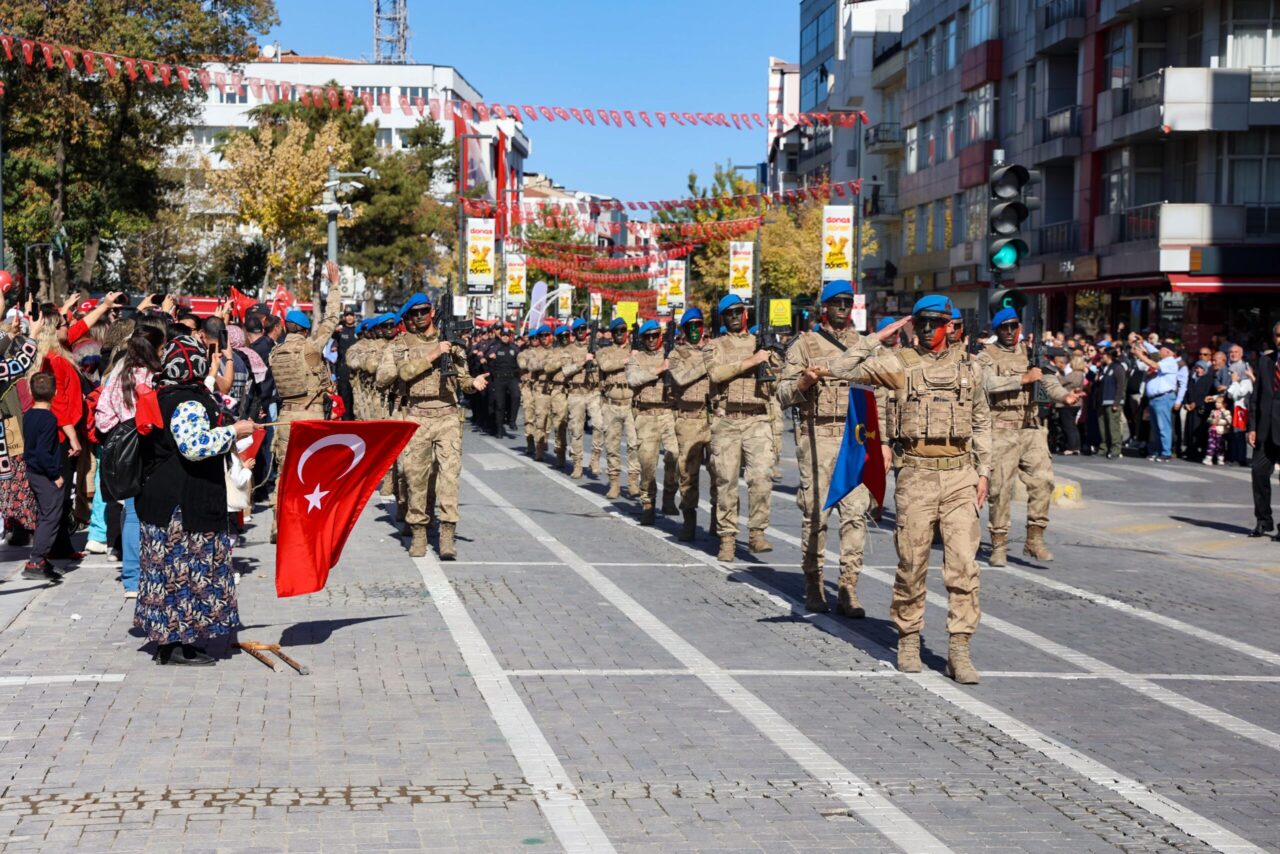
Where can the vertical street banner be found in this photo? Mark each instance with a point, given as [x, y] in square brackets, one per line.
[517, 279]
[597, 306]
[564, 302]
[480, 257]
[837, 243]
[675, 285]
[660, 287]
[859, 315]
[628, 311]
[742, 257]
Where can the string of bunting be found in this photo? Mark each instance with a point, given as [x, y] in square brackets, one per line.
[159, 72]
[576, 274]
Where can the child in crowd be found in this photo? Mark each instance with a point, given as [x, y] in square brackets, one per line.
[1219, 426]
[43, 455]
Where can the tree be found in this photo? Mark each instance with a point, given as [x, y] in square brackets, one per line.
[274, 180]
[85, 151]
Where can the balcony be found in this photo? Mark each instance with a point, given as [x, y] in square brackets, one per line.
[1058, 137]
[1140, 223]
[1059, 26]
[882, 209]
[1262, 220]
[885, 44]
[883, 138]
[1060, 238]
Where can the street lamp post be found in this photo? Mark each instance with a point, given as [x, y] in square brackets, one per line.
[329, 205]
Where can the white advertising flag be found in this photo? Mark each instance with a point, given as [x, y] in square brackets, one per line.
[564, 306]
[675, 285]
[480, 258]
[741, 268]
[837, 243]
[517, 279]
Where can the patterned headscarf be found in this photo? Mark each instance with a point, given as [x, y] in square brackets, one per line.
[185, 362]
[236, 341]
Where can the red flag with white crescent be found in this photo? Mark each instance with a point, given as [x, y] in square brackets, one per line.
[330, 470]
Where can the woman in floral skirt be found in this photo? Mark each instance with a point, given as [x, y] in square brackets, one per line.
[186, 591]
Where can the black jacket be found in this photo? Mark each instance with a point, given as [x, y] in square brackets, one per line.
[1264, 414]
[170, 480]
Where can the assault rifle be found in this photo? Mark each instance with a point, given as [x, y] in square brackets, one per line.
[668, 344]
[593, 344]
[450, 330]
[765, 339]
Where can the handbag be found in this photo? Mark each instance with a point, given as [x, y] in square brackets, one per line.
[121, 463]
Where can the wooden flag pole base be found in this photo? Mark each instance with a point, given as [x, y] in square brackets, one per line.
[257, 650]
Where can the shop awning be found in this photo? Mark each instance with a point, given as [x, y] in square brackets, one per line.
[1145, 282]
[1224, 285]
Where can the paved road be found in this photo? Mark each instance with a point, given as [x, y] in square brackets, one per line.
[578, 682]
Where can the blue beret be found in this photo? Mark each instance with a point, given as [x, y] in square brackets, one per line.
[754, 330]
[649, 326]
[363, 326]
[542, 330]
[883, 322]
[955, 314]
[412, 303]
[690, 314]
[723, 330]
[838, 288]
[562, 329]
[730, 301]
[579, 323]
[933, 302]
[617, 323]
[295, 316]
[1004, 315]
[380, 320]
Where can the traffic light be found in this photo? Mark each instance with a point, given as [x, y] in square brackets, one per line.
[1008, 207]
[1002, 298]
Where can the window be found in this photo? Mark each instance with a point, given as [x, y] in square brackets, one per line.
[924, 231]
[814, 87]
[913, 146]
[818, 35]
[206, 137]
[1253, 167]
[915, 69]
[1117, 63]
[978, 114]
[941, 237]
[1253, 34]
[1189, 157]
[384, 139]
[975, 202]
[958, 212]
[950, 53]
[928, 145]
[1148, 174]
[1115, 170]
[909, 231]
[376, 91]
[1195, 38]
[1009, 105]
[809, 42]
[947, 126]
[932, 56]
[982, 16]
[413, 93]
[1033, 91]
[233, 95]
[827, 29]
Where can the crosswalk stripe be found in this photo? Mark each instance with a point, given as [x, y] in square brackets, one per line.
[1086, 474]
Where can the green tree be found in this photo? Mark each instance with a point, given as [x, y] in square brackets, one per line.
[85, 151]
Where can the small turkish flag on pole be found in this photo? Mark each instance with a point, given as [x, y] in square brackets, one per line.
[329, 472]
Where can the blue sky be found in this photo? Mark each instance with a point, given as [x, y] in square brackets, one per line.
[681, 55]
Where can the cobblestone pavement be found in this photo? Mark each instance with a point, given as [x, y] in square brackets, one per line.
[577, 682]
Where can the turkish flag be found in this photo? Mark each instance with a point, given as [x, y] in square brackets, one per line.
[329, 472]
[242, 302]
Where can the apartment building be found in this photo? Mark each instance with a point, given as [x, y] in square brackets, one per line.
[1156, 126]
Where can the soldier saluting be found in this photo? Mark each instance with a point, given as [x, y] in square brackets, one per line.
[944, 426]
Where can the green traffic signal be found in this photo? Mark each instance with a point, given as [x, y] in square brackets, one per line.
[1007, 254]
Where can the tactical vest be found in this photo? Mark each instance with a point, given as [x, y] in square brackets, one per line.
[576, 353]
[936, 403]
[429, 386]
[743, 391]
[1017, 406]
[832, 399]
[656, 391]
[614, 383]
[299, 369]
[695, 394]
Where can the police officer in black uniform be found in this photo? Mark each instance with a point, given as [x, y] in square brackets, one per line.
[343, 337]
[504, 382]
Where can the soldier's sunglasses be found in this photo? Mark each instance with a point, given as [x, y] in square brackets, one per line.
[839, 303]
[419, 312]
[651, 335]
[1011, 324]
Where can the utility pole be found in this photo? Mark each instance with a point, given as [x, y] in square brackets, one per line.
[334, 186]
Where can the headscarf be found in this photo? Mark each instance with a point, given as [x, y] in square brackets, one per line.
[236, 341]
[185, 362]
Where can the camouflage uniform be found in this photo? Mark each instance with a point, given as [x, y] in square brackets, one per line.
[741, 428]
[693, 430]
[558, 400]
[945, 428]
[619, 422]
[1020, 446]
[819, 435]
[655, 429]
[529, 360]
[434, 453]
[541, 401]
[360, 396]
[584, 401]
[302, 379]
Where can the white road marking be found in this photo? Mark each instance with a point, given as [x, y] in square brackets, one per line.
[570, 819]
[1161, 471]
[1087, 474]
[495, 462]
[1143, 614]
[1069, 676]
[74, 678]
[1134, 792]
[861, 797]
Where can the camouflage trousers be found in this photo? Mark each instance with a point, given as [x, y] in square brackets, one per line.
[734, 440]
[558, 417]
[430, 466]
[948, 500]
[656, 432]
[1022, 453]
[620, 424]
[280, 441]
[776, 425]
[693, 438]
[582, 405]
[529, 400]
[541, 413]
[817, 449]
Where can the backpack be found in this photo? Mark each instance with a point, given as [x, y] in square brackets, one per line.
[91, 414]
[121, 463]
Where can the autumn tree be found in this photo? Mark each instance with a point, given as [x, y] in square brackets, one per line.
[274, 181]
[85, 151]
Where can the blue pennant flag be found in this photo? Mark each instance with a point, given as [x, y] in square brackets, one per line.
[861, 462]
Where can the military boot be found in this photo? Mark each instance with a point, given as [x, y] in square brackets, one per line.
[560, 459]
[959, 667]
[447, 550]
[690, 527]
[633, 487]
[1035, 546]
[648, 517]
[418, 546]
[669, 507]
[999, 550]
[728, 549]
[615, 488]
[595, 465]
[815, 591]
[539, 449]
[909, 653]
[757, 543]
[530, 446]
[577, 470]
[847, 603]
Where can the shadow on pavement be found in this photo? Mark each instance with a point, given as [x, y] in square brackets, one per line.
[318, 631]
